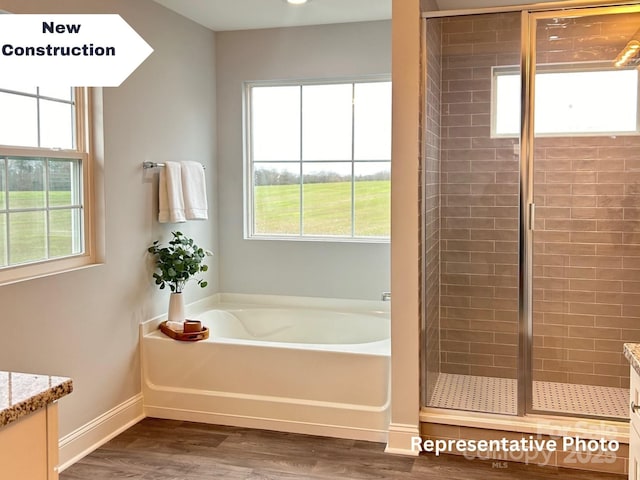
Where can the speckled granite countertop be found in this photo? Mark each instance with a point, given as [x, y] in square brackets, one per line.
[23, 393]
[632, 352]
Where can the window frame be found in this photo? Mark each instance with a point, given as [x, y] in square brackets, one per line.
[84, 128]
[248, 165]
[559, 68]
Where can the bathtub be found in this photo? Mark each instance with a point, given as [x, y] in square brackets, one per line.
[312, 366]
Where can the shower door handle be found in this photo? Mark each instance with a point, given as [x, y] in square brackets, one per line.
[532, 216]
[634, 407]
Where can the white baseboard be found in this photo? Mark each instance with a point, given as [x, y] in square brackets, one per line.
[280, 425]
[99, 431]
[399, 440]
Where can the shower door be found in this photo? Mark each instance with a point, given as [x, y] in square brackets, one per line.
[471, 217]
[585, 167]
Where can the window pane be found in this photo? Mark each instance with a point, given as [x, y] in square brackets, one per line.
[277, 198]
[372, 121]
[3, 240]
[26, 183]
[65, 237]
[56, 125]
[27, 237]
[18, 120]
[62, 93]
[565, 102]
[326, 122]
[64, 183]
[275, 123]
[3, 193]
[327, 199]
[507, 108]
[372, 199]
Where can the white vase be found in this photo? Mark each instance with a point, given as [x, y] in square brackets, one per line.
[176, 308]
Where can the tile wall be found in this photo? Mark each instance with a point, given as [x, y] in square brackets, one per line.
[479, 202]
[587, 192]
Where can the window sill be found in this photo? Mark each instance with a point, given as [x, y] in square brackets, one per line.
[320, 239]
[22, 273]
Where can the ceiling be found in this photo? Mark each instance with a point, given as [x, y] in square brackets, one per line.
[221, 15]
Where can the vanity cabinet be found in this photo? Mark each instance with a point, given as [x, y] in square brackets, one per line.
[634, 427]
[29, 425]
[29, 446]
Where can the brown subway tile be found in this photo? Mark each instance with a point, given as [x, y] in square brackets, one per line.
[569, 296]
[569, 319]
[595, 261]
[596, 285]
[467, 336]
[505, 338]
[570, 343]
[550, 353]
[597, 357]
[596, 309]
[454, 346]
[568, 366]
[600, 333]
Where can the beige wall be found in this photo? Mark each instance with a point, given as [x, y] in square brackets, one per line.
[318, 269]
[84, 324]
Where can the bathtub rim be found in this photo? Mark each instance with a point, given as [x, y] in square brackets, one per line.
[247, 300]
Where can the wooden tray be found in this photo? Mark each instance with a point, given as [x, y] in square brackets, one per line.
[184, 337]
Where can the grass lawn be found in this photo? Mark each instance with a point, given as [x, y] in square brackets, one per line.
[327, 209]
[28, 230]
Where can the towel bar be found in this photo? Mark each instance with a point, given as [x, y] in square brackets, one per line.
[157, 165]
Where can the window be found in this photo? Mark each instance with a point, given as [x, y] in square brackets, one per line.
[319, 160]
[564, 101]
[44, 172]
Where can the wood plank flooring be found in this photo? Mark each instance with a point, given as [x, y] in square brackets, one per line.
[171, 450]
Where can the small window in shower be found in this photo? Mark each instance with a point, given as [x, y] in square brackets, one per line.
[566, 103]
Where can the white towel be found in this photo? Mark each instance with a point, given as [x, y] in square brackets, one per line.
[194, 191]
[170, 196]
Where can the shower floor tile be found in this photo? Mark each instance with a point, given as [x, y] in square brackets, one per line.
[499, 395]
[482, 394]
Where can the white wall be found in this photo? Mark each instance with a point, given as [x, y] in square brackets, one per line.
[322, 269]
[84, 324]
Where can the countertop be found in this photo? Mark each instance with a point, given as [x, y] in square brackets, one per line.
[632, 352]
[24, 393]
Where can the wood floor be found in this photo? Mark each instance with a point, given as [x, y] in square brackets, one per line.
[170, 450]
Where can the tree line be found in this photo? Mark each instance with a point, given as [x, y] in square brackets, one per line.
[285, 177]
[28, 175]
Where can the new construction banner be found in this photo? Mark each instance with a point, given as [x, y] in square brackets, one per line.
[69, 50]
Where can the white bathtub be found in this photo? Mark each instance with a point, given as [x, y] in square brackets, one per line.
[292, 364]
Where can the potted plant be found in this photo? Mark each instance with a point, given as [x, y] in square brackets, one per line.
[176, 264]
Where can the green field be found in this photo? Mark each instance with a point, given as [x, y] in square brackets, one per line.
[28, 230]
[326, 211]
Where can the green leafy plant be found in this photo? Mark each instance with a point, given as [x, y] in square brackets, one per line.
[178, 262]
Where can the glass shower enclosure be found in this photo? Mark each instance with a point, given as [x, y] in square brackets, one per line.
[531, 210]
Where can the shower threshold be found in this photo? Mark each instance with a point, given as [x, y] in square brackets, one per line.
[499, 395]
